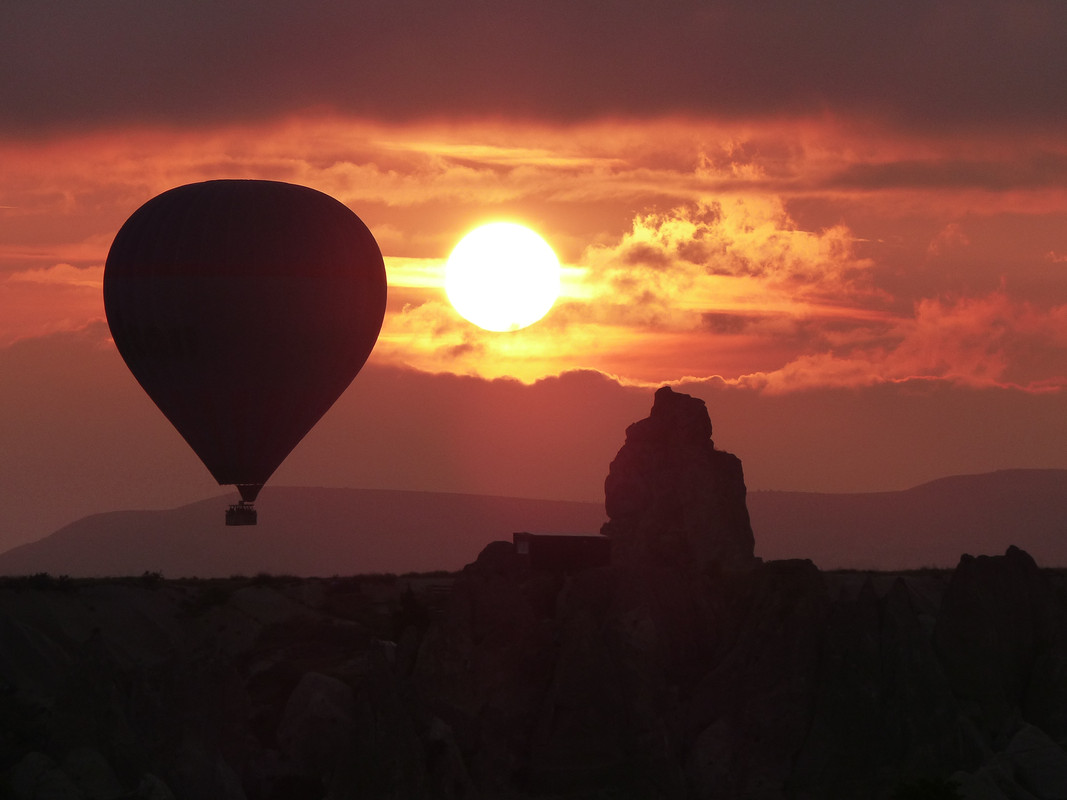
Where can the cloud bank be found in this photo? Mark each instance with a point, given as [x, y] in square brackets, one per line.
[71, 65]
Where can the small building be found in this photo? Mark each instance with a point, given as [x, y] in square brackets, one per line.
[563, 552]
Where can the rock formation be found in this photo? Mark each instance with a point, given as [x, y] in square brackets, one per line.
[672, 497]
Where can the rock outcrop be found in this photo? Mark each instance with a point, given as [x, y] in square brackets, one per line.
[776, 682]
[672, 497]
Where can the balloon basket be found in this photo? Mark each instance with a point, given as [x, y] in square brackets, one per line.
[241, 514]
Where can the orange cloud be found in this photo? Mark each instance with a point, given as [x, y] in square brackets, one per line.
[951, 236]
[743, 236]
[985, 341]
[47, 300]
[62, 275]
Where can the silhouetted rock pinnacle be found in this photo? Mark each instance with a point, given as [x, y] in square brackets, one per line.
[672, 497]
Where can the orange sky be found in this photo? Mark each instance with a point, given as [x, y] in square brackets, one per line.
[768, 233]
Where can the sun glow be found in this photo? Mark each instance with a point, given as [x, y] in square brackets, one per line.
[502, 277]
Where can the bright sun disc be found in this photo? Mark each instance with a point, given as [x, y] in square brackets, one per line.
[502, 277]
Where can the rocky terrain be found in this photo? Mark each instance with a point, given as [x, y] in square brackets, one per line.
[688, 668]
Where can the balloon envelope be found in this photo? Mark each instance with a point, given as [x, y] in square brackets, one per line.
[244, 309]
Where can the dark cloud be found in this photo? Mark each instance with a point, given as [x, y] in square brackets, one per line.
[646, 255]
[464, 349]
[812, 334]
[67, 64]
[1026, 172]
[726, 323]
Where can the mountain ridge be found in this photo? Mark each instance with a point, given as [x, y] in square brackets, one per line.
[326, 531]
[302, 531]
[930, 524]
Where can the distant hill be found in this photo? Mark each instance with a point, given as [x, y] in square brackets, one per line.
[301, 531]
[928, 525]
[308, 531]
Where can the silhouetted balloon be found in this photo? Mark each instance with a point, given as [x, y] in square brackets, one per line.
[244, 309]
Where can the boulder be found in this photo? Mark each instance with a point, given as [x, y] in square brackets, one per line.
[884, 712]
[1040, 764]
[317, 727]
[486, 664]
[92, 773]
[37, 776]
[625, 640]
[978, 786]
[996, 620]
[672, 497]
[151, 787]
[746, 719]
[1031, 767]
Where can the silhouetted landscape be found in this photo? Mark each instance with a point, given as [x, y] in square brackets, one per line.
[321, 532]
[306, 532]
[707, 660]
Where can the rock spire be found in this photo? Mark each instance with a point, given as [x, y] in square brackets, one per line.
[672, 497]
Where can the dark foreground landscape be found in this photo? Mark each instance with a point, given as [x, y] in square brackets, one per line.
[685, 668]
[782, 682]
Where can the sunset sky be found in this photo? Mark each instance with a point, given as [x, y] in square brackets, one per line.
[843, 225]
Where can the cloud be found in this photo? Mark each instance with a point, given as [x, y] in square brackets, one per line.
[979, 342]
[725, 323]
[671, 260]
[46, 300]
[949, 237]
[928, 65]
[1025, 170]
[63, 275]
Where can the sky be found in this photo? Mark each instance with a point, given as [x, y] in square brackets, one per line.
[842, 225]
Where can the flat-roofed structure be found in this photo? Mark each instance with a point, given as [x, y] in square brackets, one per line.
[563, 552]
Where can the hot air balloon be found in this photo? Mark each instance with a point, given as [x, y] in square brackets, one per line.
[244, 308]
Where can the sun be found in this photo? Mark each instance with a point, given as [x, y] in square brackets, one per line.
[502, 277]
